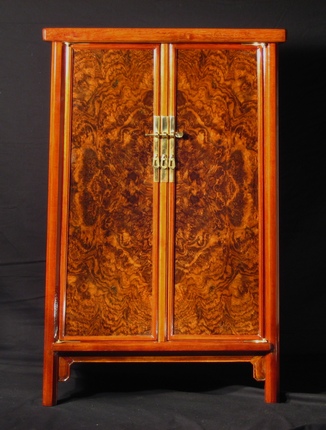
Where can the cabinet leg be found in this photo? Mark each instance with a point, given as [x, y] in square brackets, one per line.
[50, 379]
[272, 378]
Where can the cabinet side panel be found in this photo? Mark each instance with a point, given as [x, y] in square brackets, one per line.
[217, 196]
[109, 263]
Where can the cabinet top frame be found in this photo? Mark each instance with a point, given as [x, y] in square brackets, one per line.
[164, 35]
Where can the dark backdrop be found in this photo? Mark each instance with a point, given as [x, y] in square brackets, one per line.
[24, 124]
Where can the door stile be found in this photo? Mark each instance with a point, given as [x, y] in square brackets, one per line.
[66, 183]
[271, 206]
[261, 51]
[172, 191]
[156, 194]
[163, 196]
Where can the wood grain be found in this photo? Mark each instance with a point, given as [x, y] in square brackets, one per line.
[165, 35]
[109, 281]
[217, 231]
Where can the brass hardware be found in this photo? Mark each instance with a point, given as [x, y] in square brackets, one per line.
[164, 149]
[177, 134]
[164, 162]
[173, 135]
[156, 161]
[164, 136]
[171, 148]
[156, 149]
[171, 162]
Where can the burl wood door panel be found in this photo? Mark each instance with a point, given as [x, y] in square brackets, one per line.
[217, 229]
[109, 285]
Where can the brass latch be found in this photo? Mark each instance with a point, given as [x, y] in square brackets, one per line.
[177, 134]
[164, 136]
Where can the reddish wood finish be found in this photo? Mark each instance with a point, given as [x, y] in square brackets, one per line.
[162, 271]
[164, 35]
[50, 372]
[271, 225]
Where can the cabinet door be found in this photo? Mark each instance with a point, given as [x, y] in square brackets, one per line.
[108, 278]
[215, 285]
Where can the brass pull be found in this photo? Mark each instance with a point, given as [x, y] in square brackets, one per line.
[171, 162]
[156, 148]
[164, 162]
[156, 161]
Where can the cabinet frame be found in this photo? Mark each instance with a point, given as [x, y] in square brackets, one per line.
[60, 352]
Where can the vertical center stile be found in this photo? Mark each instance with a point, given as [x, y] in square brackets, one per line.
[172, 190]
[163, 195]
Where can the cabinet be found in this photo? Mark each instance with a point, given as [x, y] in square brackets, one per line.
[162, 199]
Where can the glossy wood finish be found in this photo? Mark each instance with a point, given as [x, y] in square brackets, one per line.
[217, 194]
[270, 211]
[50, 366]
[171, 271]
[109, 255]
[164, 35]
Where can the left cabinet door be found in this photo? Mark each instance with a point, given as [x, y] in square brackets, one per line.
[108, 240]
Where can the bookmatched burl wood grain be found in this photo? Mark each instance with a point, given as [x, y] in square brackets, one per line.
[109, 270]
[216, 274]
[182, 265]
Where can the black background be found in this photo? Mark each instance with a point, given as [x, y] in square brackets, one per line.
[24, 125]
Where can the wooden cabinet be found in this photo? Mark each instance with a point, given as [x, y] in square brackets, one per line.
[162, 215]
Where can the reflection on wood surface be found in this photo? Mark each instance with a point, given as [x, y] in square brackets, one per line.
[109, 289]
[216, 275]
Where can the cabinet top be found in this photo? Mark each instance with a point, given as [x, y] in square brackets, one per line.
[164, 35]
